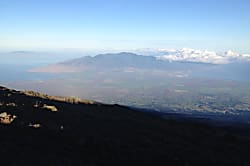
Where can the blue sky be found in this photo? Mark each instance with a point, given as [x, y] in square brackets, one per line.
[125, 24]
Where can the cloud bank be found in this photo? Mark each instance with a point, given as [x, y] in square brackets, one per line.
[202, 56]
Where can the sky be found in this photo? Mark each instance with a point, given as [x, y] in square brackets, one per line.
[125, 24]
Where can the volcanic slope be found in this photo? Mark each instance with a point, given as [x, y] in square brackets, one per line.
[38, 129]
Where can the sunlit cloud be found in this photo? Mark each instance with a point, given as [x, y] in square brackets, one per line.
[202, 56]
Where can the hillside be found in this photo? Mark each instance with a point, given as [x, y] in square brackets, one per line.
[38, 129]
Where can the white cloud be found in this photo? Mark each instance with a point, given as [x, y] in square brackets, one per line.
[204, 56]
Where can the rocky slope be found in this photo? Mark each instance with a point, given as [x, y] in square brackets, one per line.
[37, 129]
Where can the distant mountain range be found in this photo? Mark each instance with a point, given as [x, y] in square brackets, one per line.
[119, 60]
[124, 60]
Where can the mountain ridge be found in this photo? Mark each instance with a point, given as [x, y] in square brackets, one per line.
[117, 60]
[125, 60]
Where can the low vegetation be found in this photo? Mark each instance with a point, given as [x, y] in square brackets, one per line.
[6, 118]
[72, 100]
[35, 125]
[50, 108]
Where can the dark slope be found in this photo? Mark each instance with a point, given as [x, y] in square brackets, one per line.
[97, 134]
